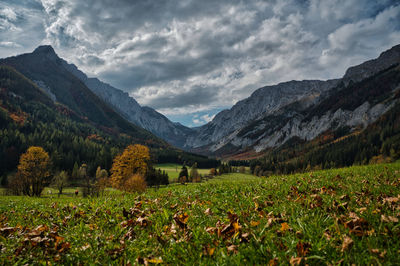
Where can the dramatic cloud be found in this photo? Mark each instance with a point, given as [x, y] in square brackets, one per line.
[21, 26]
[190, 58]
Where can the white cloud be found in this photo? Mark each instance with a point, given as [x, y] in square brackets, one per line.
[10, 45]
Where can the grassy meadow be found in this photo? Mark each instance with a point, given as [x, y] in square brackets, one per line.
[339, 216]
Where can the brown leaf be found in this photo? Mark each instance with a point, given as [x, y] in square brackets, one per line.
[357, 226]
[64, 247]
[316, 202]
[379, 253]
[295, 261]
[208, 212]
[143, 221]
[5, 231]
[211, 230]
[284, 227]
[232, 217]
[347, 243]
[228, 231]
[58, 240]
[244, 237]
[281, 245]
[362, 210]
[85, 247]
[127, 223]
[389, 219]
[232, 249]
[327, 234]
[181, 220]
[208, 251]
[254, 223]
[273, 262]
[302, 248]
[391, 200]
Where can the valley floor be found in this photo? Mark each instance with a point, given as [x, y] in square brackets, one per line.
[348, 215]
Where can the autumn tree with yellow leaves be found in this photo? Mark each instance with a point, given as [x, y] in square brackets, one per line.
[33, 171]
[131, 163]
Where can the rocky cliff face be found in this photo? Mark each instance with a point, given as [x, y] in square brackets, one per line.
[145, 117]
[274, 114]
[262, 102]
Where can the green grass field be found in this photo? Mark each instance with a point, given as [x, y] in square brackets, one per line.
[340, 216]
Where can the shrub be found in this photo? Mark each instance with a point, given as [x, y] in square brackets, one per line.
[14, 185]
[135, 183]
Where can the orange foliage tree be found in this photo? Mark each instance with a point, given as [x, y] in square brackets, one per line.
[132, 161]
[33, 170]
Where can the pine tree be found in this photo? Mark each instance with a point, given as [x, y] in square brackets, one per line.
[75, 171]
[183, 174]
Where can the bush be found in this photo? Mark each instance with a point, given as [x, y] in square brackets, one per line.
[14, 185]
[135, 183]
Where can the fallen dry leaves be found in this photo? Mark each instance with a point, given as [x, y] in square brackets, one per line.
[347, 243]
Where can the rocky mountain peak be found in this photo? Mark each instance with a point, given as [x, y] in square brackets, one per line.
[46, 51]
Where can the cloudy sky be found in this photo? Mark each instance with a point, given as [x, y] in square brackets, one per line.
[189, 59]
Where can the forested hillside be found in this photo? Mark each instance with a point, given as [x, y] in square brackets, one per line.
[29, 117]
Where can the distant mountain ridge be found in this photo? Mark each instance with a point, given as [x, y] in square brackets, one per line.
[269, 118]
[272, 115]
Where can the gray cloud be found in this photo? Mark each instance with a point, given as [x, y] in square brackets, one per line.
[195, 96]
[21, 26]
[182, 56]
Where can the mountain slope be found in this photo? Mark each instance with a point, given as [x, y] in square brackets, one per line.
[304, 109]
[145, 117]
[45, 68]
[28, 117]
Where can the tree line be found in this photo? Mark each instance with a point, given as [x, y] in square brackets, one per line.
[131, 171]
[69, 142]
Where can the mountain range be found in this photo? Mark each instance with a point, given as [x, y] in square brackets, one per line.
[272, 115]
[269, 118]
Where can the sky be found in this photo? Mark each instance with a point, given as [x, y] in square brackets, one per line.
[189, 59]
